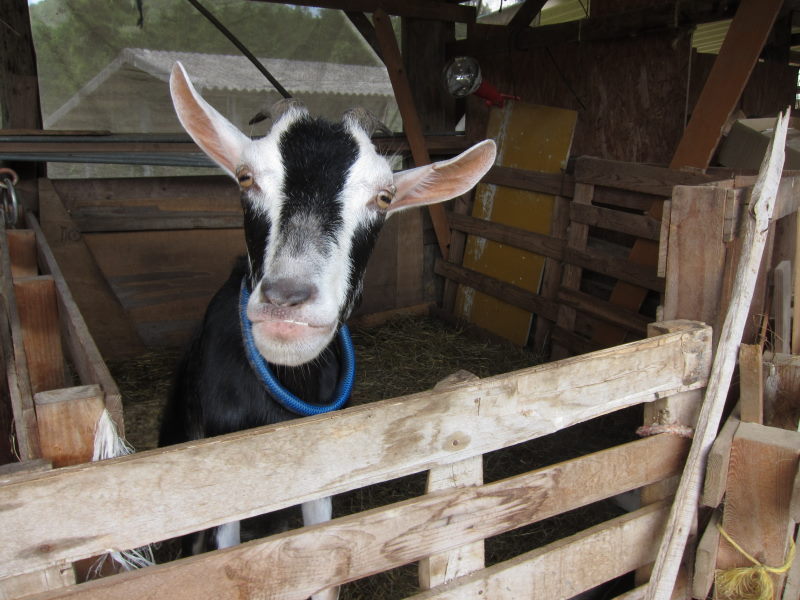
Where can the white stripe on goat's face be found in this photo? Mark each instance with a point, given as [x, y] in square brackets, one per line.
[314, 195]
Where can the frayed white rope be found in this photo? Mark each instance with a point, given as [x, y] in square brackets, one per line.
[108, 443]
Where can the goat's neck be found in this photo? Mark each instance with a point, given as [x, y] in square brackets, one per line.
[314, 381]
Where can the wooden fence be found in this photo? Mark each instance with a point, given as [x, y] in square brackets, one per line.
[53, 517]
[601, 209]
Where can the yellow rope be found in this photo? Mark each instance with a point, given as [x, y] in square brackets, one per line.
[749, 583]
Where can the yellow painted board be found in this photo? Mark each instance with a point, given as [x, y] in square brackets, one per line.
[532, 137]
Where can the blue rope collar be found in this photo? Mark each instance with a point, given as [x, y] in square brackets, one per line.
[283, 396]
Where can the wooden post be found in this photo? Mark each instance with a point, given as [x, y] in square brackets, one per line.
[577, 238]
[751, 386]
[411, 123]
[67, 421]
[763, 468]
[755, 233]
[442, 568]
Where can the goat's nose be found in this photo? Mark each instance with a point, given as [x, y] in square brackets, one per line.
[286, 291]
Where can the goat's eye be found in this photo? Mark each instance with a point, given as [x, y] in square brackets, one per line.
[385, 197]
[244, 176]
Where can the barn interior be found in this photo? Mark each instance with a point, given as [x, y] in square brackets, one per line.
[630, 134]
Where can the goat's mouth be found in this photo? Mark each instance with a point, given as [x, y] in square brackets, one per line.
[281, 324]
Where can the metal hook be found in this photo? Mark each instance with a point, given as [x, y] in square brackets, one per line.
[10, 202]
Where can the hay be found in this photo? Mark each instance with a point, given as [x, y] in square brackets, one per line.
[404, 356]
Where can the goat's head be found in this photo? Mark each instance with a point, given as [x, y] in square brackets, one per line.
[315, 195]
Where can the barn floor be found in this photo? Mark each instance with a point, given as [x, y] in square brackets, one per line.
[404, 356]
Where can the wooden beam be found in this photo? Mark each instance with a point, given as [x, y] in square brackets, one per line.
[22, 250]
[411, 123]
[526, 13]
[635, 177]
[364, 26]
[377, 441]
[751, 383]
[296, 564]
[41, 332]
[508, 292]
[739, 53]
[533, 181]
[420, 9]
[15, 362]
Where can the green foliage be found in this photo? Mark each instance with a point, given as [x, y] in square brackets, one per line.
[76, 39]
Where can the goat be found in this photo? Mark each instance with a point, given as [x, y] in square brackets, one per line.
[314, 195]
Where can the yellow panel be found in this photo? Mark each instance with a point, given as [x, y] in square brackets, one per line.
[536, 138]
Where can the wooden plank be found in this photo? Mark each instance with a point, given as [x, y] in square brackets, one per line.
[384, 440]
[577, 239]
[510, 294]
[83, 351]
[751, 384]
[603, 310]
[22, 249]
[782, 306]
[551, 279]
[41, 332]
[443, 568]
[531, 137]
[641, 226]
[531, 241]
[297, 563]
[782, 390]
[16, 364]
[636, 177]
[49, 578]
[694, 278]
[756, 225]
[572, 565]
[111, 327]
[663, 240]
[763, 466]
[67, 421]
[624, 270]
[705, 563]
[796, 286]
[27, 584]
[719, 458]
[738, 55]
[557, 184]
[458, 242]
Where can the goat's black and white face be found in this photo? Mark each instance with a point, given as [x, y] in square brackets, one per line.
[315, 195]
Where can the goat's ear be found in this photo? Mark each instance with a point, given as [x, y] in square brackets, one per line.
[215, 135]
[443, 180]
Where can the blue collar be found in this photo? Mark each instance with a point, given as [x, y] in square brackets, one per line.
[279, 393]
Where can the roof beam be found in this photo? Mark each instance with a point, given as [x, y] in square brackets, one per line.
[526, 13]
[418, 9]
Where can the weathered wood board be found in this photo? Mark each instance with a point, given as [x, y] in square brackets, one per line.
[537, 138]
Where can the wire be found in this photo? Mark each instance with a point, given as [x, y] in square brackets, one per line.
[242, 48]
